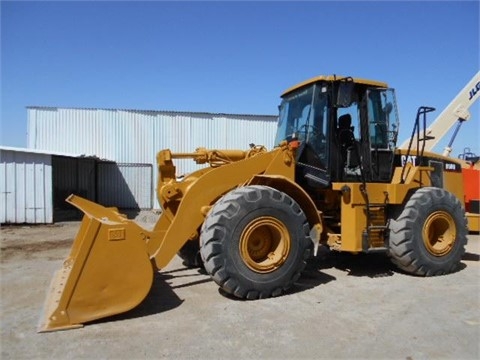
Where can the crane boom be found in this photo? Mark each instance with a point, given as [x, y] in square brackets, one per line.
[455, 113]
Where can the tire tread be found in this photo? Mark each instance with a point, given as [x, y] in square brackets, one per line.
[405, 241]
[213, 232]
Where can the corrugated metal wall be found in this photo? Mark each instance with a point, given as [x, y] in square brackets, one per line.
[135, 136]
[126, 186]
[25, 187]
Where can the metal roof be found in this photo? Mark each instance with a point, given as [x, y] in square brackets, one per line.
[48, 152]
[166, 112]
[333, 78]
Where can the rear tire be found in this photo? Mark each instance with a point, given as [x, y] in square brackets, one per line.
[429, 236]
[254, 242]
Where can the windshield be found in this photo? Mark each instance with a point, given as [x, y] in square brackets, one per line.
[303, 116]
[295, 111]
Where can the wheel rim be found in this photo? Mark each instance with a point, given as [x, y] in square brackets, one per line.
[265, 244]
[439, 233]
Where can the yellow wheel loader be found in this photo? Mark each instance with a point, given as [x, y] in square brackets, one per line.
[253, 218]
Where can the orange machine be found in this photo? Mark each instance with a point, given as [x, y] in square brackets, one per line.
[471, 186]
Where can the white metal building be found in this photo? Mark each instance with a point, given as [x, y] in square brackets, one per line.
[35, 183]
[133, 138]
[25, 186]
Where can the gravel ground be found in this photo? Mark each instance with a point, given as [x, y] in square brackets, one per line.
[344, 306]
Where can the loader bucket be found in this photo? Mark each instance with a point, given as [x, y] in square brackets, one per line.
[107, 272]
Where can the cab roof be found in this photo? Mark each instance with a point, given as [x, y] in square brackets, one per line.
[367, 82]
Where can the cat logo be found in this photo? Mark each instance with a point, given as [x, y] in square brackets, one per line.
[412, 159]
[450, 166]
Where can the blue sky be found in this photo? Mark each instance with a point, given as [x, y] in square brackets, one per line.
[231, 57]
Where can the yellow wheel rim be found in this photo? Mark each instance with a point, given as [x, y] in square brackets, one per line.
[439, 233]
[265, 244]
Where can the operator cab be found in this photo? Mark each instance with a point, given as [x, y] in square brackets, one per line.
[347, 129]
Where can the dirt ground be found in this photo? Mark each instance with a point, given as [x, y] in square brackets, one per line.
[343, 307]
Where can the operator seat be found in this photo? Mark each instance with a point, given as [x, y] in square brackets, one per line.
[348, 145]
[345, 132]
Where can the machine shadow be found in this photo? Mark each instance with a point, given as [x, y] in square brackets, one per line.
[470, 257]
[161, 297]
[370, 265]
[376, 265]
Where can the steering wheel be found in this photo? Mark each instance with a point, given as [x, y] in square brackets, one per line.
[310, 129]
[316, 139]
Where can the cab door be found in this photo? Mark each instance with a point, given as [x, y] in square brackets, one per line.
[382, 129]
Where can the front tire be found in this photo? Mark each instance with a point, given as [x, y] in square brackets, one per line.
[254, 242]
[429, 236]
